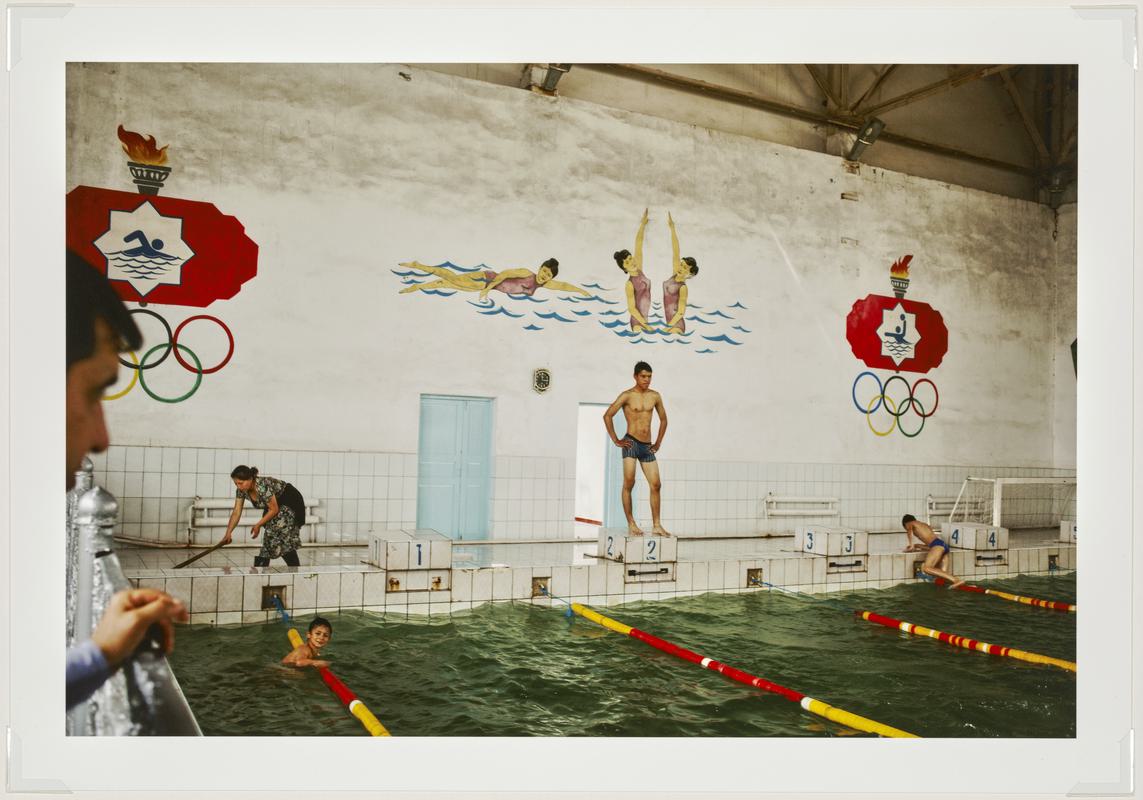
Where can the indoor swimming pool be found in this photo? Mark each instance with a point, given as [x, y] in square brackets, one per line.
[516, 669]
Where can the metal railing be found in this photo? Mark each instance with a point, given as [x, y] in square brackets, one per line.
[142, 697]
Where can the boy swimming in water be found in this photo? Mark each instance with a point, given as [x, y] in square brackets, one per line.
[937, 559]
[317, 637]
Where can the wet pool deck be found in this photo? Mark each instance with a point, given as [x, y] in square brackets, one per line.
[223, 588]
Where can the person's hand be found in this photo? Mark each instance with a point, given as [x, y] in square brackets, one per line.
[255, 530]
[623, 443]
[227, 538]
[655, 448]
[319, 664]
[128, 617]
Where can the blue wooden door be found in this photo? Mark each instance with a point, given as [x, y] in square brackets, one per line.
[454, 475]
[613, 479]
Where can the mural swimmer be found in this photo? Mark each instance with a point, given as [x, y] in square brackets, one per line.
[675, 287]
[510, 281]
[524, 281]
[638, 285]
[638, 403]
[937, 559]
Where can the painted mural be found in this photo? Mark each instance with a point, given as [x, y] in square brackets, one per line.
[161, 251]
[897, 335]
[633, 311]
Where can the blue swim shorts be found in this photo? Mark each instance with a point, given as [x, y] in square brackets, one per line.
[638, 449]
[939, 542]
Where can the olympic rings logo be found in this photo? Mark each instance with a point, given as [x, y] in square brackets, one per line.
[895, 408]
[139, 366]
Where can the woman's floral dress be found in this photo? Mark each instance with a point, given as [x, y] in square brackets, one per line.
[282, 533]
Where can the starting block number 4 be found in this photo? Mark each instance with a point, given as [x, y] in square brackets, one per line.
[975, 537]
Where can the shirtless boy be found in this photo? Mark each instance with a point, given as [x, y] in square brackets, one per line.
[317, 637]
[637, 403]
[936, 562]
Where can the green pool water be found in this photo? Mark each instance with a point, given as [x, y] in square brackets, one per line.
[521, 670]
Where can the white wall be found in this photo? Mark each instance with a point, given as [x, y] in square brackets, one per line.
[339, 172]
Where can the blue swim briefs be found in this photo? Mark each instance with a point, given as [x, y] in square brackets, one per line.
[939, 542]
[638, 449]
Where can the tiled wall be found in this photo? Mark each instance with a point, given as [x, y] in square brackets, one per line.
[358, 492]
[532, 497]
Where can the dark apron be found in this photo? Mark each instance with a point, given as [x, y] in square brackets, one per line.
[292, 498]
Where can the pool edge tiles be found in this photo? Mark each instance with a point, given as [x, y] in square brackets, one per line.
[235, 596]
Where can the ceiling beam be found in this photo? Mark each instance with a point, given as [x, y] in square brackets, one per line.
[1026, 118]
[740, 97]
[824, 86]
[934, 88]
[873, 86]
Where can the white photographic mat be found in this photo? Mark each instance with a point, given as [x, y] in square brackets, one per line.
[44, 39]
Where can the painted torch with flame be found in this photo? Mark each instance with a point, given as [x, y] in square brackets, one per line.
[899, 276]
[141, 149]
[145, 160]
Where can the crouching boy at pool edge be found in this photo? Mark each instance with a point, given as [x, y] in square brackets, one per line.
[317, 637]
[937, 559]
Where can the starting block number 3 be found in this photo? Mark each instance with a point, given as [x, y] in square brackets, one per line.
[847, 542]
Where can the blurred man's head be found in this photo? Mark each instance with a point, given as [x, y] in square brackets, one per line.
[98, 329]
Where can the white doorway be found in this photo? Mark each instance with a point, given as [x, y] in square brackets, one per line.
[598, 473]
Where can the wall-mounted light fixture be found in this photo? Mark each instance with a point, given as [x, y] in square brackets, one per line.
[553, 75]
[867, 136]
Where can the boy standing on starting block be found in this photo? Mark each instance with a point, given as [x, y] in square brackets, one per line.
[317, 637]
[937, 560]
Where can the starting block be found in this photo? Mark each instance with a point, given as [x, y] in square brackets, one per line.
[974, 536]
[846, 548]
[647, 558]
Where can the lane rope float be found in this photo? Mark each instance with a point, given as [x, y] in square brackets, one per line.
[810, 704]
[342, 692]
[1055, 605]
[963, 641]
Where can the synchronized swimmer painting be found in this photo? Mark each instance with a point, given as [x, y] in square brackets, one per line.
[627, 310]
